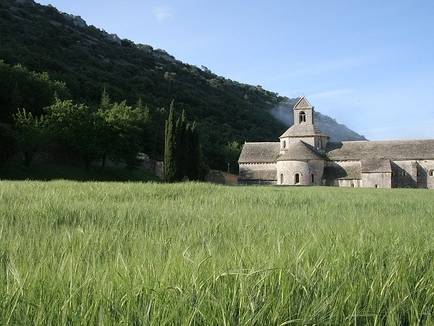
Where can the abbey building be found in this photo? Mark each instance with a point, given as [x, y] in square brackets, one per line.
[304, 156]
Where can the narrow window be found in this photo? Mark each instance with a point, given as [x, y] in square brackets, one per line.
[297, 179]
[313, 178]
[284, 144]
[403, 173]
[281, 179]
[431, 173]
[376, 186]
[302, 117]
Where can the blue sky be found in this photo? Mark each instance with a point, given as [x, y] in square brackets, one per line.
[368, 64]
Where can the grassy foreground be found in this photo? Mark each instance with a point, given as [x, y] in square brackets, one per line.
[110, 253]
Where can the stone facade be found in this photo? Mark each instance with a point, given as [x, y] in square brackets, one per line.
[261, 173]
[303, 173]
[377, 180]
[303, 156]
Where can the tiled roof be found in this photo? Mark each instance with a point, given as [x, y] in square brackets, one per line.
[335, 171]
[266, 152]
[392, 150]
[303, 103]
[302, 130]
[376, 166]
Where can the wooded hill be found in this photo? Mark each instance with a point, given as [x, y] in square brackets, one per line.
[88, 60]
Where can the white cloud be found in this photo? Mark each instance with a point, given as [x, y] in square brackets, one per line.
[162, 13]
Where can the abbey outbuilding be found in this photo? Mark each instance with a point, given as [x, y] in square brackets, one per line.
[304, 156]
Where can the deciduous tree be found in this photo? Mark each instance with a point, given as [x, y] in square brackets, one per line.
[31, 134]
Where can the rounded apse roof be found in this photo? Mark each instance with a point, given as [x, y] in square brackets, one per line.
[300, 151]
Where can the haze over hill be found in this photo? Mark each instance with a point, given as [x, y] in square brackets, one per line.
[89, 59]
[336, 131]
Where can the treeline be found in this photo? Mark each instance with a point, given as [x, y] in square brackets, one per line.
[24, 89]
[110, 130]
[21, 88]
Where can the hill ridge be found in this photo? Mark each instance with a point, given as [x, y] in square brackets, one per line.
[88, 59]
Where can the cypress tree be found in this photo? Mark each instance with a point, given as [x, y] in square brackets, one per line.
[105, 135]
[182, 152]
[189, 152]
[105, 100]
[181, 146]
[170, 160]
[195, 153]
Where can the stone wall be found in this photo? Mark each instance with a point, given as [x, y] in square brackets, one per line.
[308, 113]
[287, 171]
[343, 173]
[404, 174]
[377, 180]
[425, 174]
[413, 174]
[409, 174]
[349, 183]
[290, 140]
[317, 141]
[253, 172]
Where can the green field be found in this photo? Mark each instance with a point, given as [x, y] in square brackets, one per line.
[133, 253]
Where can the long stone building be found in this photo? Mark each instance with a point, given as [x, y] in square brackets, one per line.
[304, 156]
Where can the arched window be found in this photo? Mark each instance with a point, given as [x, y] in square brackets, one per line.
[302, 117]
[431, 173]
[313, 178]
[297, 178]
[281, 179]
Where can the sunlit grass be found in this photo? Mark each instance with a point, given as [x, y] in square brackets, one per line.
[110, 253]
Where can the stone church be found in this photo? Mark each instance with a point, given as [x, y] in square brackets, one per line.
[304, 156]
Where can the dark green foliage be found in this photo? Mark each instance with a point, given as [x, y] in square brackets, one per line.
[13, 170]
[76, 127]
[32, 134]
[8, 143]
[20, 88]
[114, 131]
[123, 130]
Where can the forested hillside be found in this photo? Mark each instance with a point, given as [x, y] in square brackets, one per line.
[88, 60]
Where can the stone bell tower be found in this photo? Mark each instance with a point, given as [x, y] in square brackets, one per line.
[303, 112]
[304, 128]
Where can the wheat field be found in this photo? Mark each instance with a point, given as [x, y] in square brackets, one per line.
[199, 254]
